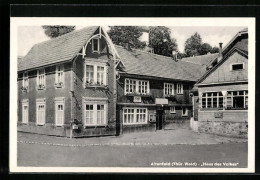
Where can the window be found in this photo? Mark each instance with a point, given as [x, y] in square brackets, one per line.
[134, 86]
[237, 99]
[40, 111]
[212, 100]
[25, 111]
[41, 79]
[59, 82]
[168, 89]
[152, 117]
[184, 111]
[134, 115]
[179, 88]
[235, 67]
[95, 45]
[59, 111]
[95, 75]
[25, 87]
[172, 109]
[95, 113]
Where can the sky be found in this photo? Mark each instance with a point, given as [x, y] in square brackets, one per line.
[30, 35]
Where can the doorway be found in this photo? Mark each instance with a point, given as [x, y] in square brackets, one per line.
[159, 119]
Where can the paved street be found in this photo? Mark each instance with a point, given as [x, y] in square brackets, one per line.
[146, 149]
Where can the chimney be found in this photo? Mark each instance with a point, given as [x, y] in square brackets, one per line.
[220, 56]
[128, 46]
[174, 55]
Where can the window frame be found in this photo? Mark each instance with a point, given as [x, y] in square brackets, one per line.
[62, 82]
[137, 88]
[44, 79]
[95, 71]
[167, 85]
[95, 103]
[135, 115]
[181, 88]
[186, 110]
[98, 44]
[212, 100]
[59, 101]
[174, 111]
[245, 99]
[25, 102]
[25, 77]
[40, 102]
[231, 66]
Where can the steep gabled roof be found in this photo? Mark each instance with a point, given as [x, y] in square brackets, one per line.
[56, 50]
[201, 60]
[238, 44]
[148, 64]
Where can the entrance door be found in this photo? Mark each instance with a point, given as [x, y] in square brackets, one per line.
[159, 119]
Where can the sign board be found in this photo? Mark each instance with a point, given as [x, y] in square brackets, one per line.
[161, 101]
[218, 114]
[137, 99]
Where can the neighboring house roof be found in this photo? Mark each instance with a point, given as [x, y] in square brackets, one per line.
[148, 64]
[239, 43]
[201, 60]
[62, 48]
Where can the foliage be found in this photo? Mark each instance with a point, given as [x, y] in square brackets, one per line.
[121, 35]
[195, 47]
[55, 31]
[161, 41]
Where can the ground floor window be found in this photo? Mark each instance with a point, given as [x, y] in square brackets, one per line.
[25, 111]
[40, 111]
[184, 111]
[237, 99]
[95, 113]
[59, 111]
[212, 100]
[134, 115]
[172, 109]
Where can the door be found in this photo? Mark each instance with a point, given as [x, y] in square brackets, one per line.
[159, 119]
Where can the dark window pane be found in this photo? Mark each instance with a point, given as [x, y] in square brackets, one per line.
[237, 66]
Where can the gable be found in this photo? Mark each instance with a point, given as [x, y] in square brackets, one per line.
[224, 73]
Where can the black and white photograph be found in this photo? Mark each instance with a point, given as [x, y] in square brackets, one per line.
[132, 95]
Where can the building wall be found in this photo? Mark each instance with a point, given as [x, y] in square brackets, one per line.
[49, 93]
[81, 92]
[224, 74]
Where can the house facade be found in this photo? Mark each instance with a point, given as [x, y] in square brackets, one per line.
[220, 97]
[80, 84]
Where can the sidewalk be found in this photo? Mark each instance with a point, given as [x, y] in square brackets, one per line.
[162, 137]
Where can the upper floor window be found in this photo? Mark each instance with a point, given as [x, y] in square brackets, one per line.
[212, 100]
[41, 79]
[238, 66]
[59, 79]
[134, 86]
[179, 88]
[95, 75]
[95, 44]
[237, 99]
[25, 87]
[168, 89]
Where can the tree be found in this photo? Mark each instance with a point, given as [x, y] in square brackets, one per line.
[121, 35]
[161, 41]
[55, 31]
[205, 48]
[192, 45]
[215, 50]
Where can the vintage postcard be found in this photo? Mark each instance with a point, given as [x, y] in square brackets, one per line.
[134, 95]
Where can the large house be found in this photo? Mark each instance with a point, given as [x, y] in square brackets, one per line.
[220, 97]
[81, 84]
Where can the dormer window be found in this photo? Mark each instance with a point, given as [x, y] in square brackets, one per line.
[95, 45]
[41, 79]
[238, 66]
[179, 88]
[25, 87]
[59, 79]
